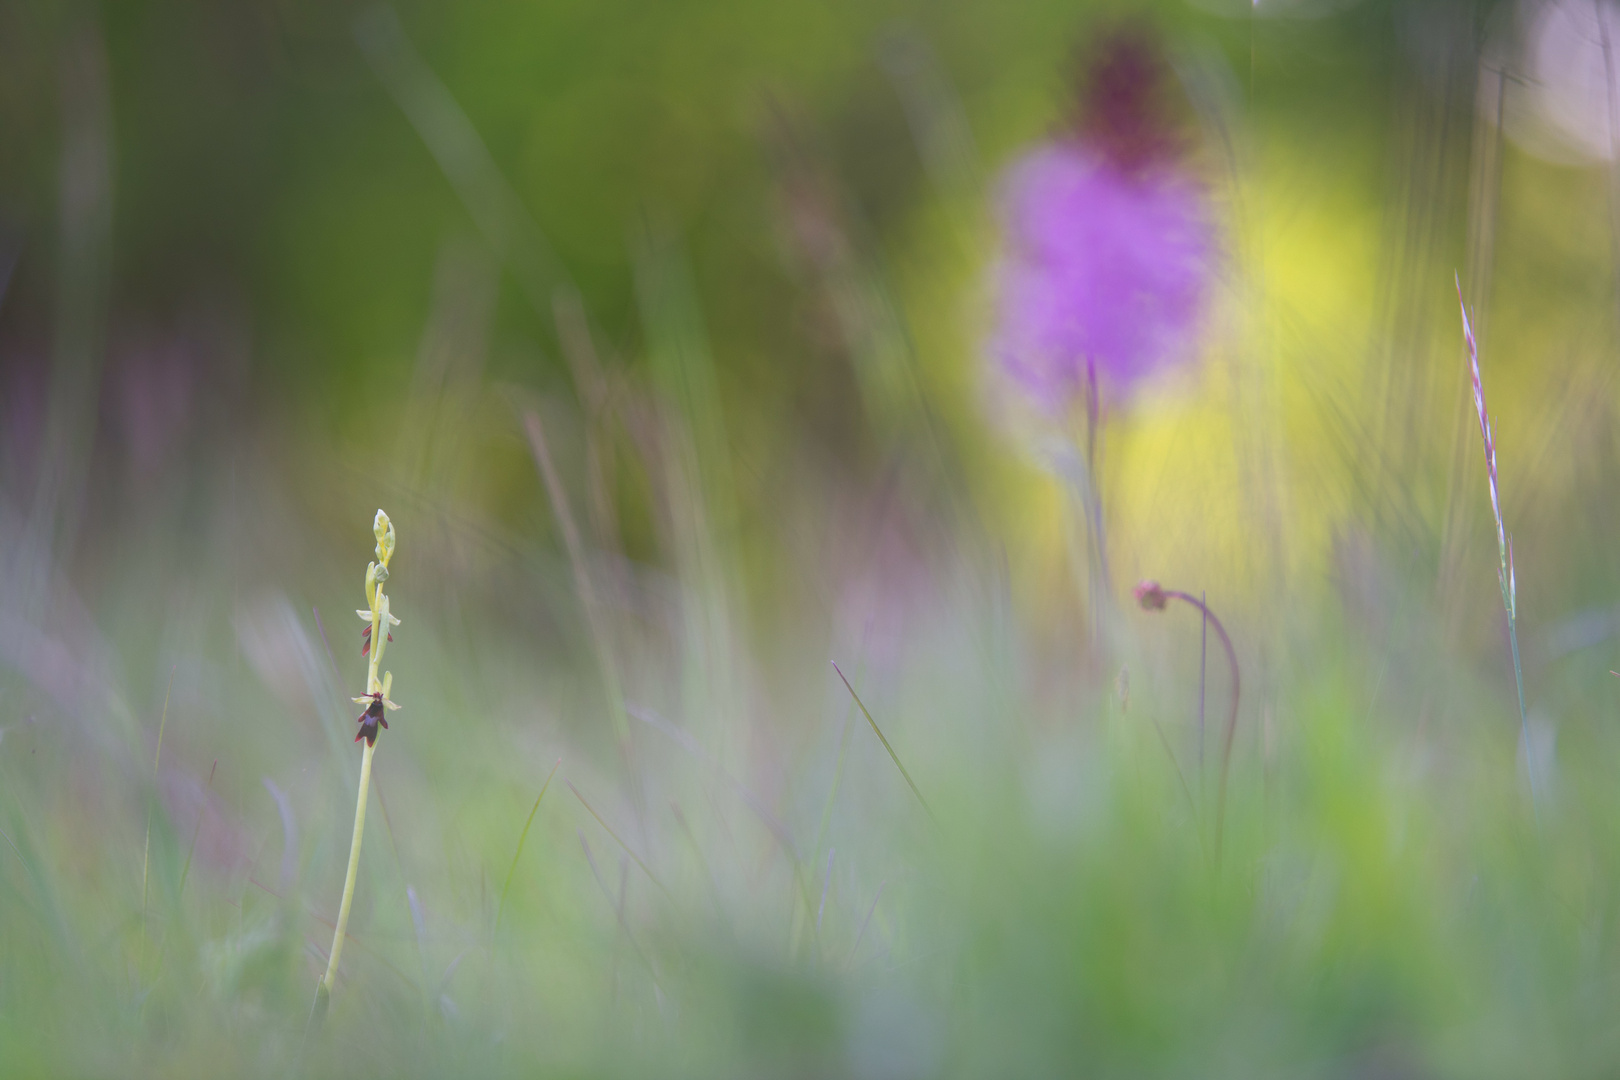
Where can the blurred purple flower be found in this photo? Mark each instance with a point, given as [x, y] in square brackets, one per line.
[1108, 242]
[1104, 274]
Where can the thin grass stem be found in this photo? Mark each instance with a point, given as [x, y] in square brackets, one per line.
[518, 854]
[1153, 597]
[861, 933]
[1232, 717]
[1524, 717]
[826, 883]
[146, 854]
[708, 873]
[330, 978]
[832, 791]
[627, 849]
[196, 830]
[892, 755]
[618, 908]
[595, 626]
[1203, 668]
[1186, 789]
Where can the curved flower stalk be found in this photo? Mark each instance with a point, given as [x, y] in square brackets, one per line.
[374, 640]
[1153, 597]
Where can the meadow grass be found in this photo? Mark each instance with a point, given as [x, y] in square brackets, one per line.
[1385, 905]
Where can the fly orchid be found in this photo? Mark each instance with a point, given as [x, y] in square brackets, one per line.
[374, 640]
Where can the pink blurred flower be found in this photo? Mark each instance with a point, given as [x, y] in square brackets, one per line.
[1103, 268]
[1108, 242]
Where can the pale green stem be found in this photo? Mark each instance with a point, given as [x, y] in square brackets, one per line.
[1524, 717]
[1510, 604]
[379, 639]
[354, 862]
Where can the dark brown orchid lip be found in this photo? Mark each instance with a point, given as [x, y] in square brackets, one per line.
[369, 720]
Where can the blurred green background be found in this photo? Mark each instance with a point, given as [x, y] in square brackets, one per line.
[658, 329]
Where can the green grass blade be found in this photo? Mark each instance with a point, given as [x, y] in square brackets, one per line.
[879, 732]
[146, 852]
[518, 854]
[195, 832]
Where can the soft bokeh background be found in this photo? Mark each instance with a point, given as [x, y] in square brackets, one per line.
[659, 331]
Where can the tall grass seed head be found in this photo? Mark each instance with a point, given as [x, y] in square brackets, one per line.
[1504, 543]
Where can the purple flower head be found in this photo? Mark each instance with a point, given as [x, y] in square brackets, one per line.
[1108, 246]
[1103, 270]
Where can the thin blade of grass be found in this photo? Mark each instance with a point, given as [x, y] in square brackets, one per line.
[1203, 669]
[337, 675]
[1164, 740]
[861, 933]
[618, 909]
[697, 849]
[419, 926]
[754, 803]
[289, 834]
[879, 732]
[595, 623]
[146, 854]
[197, 831]
[838, 775]
[826, 882]
[315, 946]
[518, 854]
[645, 869]
[772, 825]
